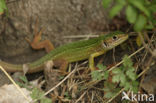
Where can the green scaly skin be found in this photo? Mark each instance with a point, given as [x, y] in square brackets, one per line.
[72, 52]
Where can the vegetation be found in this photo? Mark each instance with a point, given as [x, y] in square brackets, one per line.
[36, 94]
[122, 77]
[2, 6]
[139, 13]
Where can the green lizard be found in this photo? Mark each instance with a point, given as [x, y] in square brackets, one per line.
[72, 52]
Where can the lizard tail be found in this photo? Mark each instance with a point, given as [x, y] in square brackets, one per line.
[20, 67]
[11, 67]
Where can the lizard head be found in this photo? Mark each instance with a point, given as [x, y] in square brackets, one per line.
[113, 39]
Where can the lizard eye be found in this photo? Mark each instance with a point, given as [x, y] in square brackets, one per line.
[115, 37]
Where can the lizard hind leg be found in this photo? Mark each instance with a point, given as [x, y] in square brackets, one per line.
[62, 64]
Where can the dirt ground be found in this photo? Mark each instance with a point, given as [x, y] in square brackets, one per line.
[59, 18]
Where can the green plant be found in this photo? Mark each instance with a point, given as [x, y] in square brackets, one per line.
[110, 89]
[122, 77]
[36, 93]
[125, 75]
[140, 13]
[100, 74]
[2, 6]
[24, 83]
[39, 95]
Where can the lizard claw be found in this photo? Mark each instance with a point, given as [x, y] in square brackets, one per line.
[27, 40]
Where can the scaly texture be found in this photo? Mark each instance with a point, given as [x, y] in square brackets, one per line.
[72, 52]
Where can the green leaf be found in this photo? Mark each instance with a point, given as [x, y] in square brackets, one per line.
[106, 3]
[140, 5]
[115, 10]
[101, 67]
[152, 7]
[106, 89]
[106, 75]
[24, 79]
[116, 79]
[131, 14]
[36, 93]
[46, 100]
[117, 71]
[1, 11]
[135, 85]
[122, 2]
[131, 74]
[109, 85]
[127, 86]
[140, 23]
[96, 75]
[149, 26]
[108, 95]
[127, 62]
[122, 78]
[2, 6]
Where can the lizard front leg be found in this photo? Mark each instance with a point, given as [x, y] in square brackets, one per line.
[91, 59]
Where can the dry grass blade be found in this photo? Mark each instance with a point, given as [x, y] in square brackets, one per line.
[18, 88]
[60, 82]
